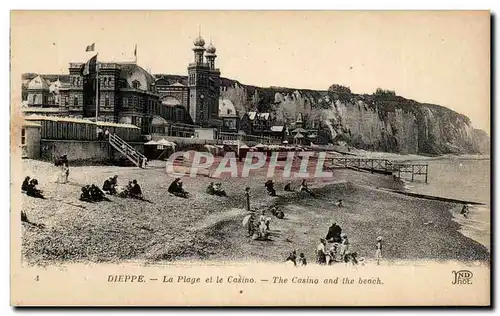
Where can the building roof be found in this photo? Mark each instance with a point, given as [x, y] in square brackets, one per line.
[263, 116]
[227, 108]
[158, 120]
[53, 110]
[170, 101]
[38, 83]
[252, 115]
[199, 41]
[133, 72]
[30, 124]
[177, 84]
[277, 128]
[75, 120]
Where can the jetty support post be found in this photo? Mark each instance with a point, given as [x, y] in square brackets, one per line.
[372, 165]
[412, 172]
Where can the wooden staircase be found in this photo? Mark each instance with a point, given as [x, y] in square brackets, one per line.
[128, 151]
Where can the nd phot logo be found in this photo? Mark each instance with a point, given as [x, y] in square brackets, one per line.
[462, 277]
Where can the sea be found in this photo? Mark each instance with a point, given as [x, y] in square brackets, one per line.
[461, 178]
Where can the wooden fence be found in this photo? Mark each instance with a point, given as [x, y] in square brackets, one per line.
[57, 128]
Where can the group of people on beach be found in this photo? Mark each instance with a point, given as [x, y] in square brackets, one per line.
[288, 188]
[131, 190]
[29, 187]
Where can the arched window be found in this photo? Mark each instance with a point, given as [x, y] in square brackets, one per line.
[75, 100]
[136, 84]
[106, 99]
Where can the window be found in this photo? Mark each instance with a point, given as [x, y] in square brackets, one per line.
[136, 84]
[66, 100]
[23, 136]
[125, 101]
[75, 100]
[228, 111]
[106, 99]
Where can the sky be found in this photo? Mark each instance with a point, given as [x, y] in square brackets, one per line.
[440, 57]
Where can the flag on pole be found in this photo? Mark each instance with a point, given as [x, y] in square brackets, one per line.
[89, 67]
[90, 48]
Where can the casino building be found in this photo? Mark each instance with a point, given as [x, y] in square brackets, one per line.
[129, 94]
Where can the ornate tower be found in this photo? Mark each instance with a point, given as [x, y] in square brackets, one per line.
[214, 80]
[198, 81]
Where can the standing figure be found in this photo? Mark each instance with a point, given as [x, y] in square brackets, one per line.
[321, 252]
[344, 248]
[247, 195]
[378, 252]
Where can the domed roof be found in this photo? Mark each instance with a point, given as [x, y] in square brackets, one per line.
[134, 73]
[38, 83]
[211, 49]
[199, 41]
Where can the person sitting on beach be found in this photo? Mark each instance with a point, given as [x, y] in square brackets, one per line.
[270, 187]
[210, 189]
[135, 192]
[465, 210]
[292, 257]
[351, 258]
[305, 188]
[277, 212]
[218, 190]
[33, 191]
[24, 186]
[302, 260]
[320, 252]
[85, 195]
[109, 185]
[97, 195]
[334, 233]
[288, 187]
[176, 188]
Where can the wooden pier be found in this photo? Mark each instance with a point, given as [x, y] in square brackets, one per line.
[384, 166]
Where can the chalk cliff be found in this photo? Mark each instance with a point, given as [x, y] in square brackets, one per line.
[380, 121]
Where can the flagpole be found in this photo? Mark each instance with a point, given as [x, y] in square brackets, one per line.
[96, 89]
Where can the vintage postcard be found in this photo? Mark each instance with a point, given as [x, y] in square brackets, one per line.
[250, 158]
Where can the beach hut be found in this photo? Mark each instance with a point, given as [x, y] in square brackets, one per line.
[158, 150]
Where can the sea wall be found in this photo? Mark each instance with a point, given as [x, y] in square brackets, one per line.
[81, 151]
